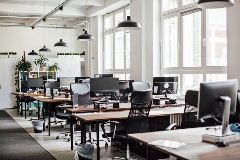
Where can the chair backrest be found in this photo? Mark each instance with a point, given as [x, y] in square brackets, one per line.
[140, 86]
[83, 90]
[191, 98]
[137, 121]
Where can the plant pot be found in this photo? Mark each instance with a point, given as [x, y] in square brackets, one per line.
[43, 68]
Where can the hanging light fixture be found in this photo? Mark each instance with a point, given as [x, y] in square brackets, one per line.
[60, 44]
[85, 36]
[129, 25]
[32, 53]
[44, 49]
[215, 3]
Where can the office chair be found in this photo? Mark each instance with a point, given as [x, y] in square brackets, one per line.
[139, 86]
[83, 90]
[123, 91]
[137, 121]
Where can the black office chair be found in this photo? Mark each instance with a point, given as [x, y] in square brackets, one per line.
[123, 91]
[137, 121]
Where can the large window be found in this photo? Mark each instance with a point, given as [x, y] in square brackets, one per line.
[116, 44]
[193, 43]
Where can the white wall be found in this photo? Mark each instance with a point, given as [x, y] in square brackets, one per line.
[19, 39]
[233, 45]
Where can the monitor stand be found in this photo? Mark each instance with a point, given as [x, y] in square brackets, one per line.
[225, 133]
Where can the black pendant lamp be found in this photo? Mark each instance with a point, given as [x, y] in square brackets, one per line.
[129, 25]
[32, 53]
[44, 49]
[85, 36]
[207, 4]
[60, 44]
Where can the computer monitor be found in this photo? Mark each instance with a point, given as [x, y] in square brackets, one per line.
[79, 79]
[104, 85]
[123, 84]
[102, 75]
[34, 83]
[165, 85]
[218, 100]
[51, 88]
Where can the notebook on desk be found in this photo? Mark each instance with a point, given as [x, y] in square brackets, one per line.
[168, 143]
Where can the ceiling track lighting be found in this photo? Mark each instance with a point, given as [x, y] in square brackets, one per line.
[32, 53]
[60, 44]
[208, 4]
[60, 7]
[129, 25]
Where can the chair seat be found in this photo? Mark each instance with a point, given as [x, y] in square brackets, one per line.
[62, 115]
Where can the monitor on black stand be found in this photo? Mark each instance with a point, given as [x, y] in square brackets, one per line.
[52, 86]
[217, 100]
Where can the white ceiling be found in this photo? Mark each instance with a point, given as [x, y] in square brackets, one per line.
[28, 12]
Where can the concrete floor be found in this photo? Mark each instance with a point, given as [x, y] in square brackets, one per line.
[59, 148]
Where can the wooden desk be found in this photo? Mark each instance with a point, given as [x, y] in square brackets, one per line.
[49, 101]
[195, 148]
[20, 96]
[118, 115]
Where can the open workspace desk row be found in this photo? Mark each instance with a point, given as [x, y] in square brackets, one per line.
[99, 117]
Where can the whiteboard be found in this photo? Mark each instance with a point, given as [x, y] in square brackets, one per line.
[69, 67]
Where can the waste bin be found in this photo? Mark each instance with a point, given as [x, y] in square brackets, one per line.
[85, 151]
[37, 126]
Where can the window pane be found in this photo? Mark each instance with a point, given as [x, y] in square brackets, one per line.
[216, 38]
[191, 39]
[191, 81]
[108, 22]
[216, 77]
[186, 2]
[108, 51]
[170, 42]
[127, 12]
[120, 76]
[169, 4]
[118, 18]
[128, 50]
[127, 76]
[119, 50]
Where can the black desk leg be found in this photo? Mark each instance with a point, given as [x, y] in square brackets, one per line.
[38, 110]
[43, 114]
[18, 104]
[98, 148]
[25, 109]
[49, 120]
[148, 152]
[71, 131]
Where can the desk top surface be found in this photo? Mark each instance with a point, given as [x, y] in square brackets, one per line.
[195, 148]
[118, 115]
[27, 94]
[50, 100]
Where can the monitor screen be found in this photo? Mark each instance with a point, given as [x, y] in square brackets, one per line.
[79, 79]
[165, 85]
[66, 81]
[34, 83]
[104, 84]
[52, 85]
[102, 75]
[217, 100]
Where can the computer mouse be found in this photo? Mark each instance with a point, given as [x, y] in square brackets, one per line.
[221, 143]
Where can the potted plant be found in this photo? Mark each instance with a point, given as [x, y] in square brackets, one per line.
[41, 61]
[53, 69]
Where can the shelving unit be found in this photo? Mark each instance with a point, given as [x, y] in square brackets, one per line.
[23, 76]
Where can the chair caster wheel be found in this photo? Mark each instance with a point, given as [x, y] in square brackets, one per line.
[61, 126]
[57, 137]
[66, 134]
[46, 126]
[67, 140]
